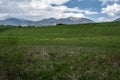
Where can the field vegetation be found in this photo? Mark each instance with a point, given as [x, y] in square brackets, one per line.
[62, 52]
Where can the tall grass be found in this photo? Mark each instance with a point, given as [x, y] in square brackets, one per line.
[58, 62]
[70, 52]
[12, 60]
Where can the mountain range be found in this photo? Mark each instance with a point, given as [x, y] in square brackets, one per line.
[14, 21]
[117, 19]
[45, 22]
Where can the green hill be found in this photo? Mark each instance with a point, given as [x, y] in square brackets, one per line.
[63, 52]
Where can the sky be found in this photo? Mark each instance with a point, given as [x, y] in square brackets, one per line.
[97, 10]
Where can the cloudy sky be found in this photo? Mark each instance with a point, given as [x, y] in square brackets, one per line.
[97, 10]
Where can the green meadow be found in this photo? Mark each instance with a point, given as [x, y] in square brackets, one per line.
[62, 52]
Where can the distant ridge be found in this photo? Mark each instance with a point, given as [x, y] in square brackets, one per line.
[72, 20]
[45, 22]
[14, 21]
[117, 19]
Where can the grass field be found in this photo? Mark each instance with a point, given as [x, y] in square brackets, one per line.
[64, 52]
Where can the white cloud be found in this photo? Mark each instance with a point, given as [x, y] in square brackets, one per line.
[89, 12]
[104, 2]
[2, 16]
[112, 10]
[42, 4]
[40, 9]
[104, 19]
[57, 2]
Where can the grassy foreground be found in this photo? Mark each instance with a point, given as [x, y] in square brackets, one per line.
[66, 52]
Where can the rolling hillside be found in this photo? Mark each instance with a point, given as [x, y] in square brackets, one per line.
[77, 35]
[63, 52]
